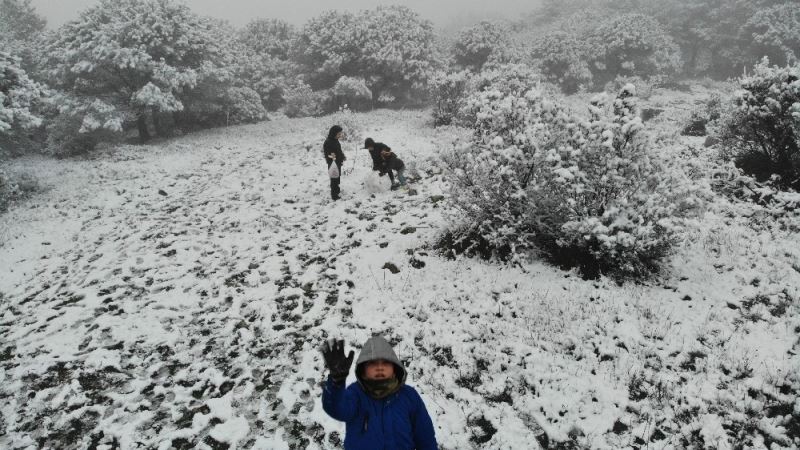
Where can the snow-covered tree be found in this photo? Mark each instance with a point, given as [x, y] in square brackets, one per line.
[266, 63]
[20, 30]
[19, 20]
[19, 96]
[775, 33]
[563, 60]
[142, 57]
[273, 37]
[397, 57]
[391, 48]
[329, 46]
[477, 43]
[632, 45]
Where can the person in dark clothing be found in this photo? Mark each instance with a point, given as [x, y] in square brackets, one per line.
[392, 162]
[378, 164]
[332, 151]
[380, 410]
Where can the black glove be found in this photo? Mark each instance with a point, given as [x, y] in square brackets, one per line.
[335, 361]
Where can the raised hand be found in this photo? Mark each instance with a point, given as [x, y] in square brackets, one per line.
[335, 361]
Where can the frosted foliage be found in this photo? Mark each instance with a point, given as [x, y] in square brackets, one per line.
[587, 193]
[244, 105]
[633, 44]
[563, 62]
[269, 37]
[352, 91]
[776, 32]
[152, 96]
[18, 94]
[144, 55]
[390, 47]
[760, 131]
[476, 44]
[448, 93]
[302, 101]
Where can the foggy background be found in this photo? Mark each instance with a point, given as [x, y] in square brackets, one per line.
[444, 13]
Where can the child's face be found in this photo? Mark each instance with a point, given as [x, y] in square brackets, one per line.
[378, 370]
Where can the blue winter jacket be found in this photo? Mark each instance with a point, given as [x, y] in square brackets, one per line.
[397, 422]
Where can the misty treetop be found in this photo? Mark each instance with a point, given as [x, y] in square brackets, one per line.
[156, 67]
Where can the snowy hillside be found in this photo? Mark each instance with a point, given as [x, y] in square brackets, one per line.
[174, 295]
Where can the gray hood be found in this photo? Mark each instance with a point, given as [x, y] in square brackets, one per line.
[377, 347]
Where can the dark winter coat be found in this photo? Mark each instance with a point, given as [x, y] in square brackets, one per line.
[375, 153]
[332, 145]
[397, 422]
[391, 161]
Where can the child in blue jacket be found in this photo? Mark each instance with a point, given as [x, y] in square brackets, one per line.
[380, 411]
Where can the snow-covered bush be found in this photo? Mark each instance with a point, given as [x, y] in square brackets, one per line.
[19, 98]
[632, 45]
[243, 105]
[353, 92]
[506, 79]
[352, 127]
[76, 125]
[586, 193]
[143, 55]
[563, 61]
[705, 114]
[302, 101]
[760, 130]
[15, 187]
[448, 93]
[8, 191]
[215, 104]
[477, 43]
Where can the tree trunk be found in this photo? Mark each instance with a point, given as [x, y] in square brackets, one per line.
[158, 126]
[141, 124]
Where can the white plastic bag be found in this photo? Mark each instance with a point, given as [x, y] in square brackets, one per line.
[333, 170]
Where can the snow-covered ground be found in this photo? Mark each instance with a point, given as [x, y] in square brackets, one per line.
[174, 295]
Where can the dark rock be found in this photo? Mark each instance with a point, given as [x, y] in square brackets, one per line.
[436, 198]
[649, 113]
[408, 230]
[392, 268]
[417, 263]
[162, 192]
[710, 141]
[619, 427]
[657, 435]
[697, 127]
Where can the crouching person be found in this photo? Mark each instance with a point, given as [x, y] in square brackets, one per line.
[392, 162]
[380, 410]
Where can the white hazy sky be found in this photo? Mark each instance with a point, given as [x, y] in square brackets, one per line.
[238, 12]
